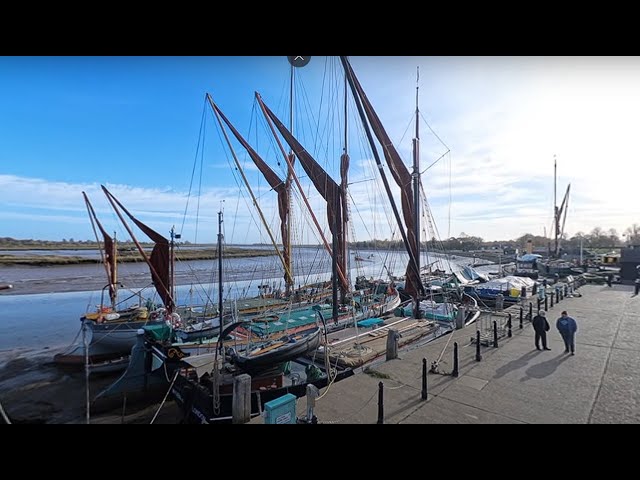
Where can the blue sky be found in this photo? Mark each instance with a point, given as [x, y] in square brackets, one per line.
[69, 124]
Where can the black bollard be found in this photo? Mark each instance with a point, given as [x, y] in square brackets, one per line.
[530, 312]
[380, 403]
[553, 294]
[539, 302]
[546, 304]
[478, 356]
[534, 289]
[455, 359]
[495, 334]
[424, 378]
[509, 334]
[521, 315]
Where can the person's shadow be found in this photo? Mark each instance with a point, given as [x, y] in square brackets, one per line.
[544, 369]
[515, 364]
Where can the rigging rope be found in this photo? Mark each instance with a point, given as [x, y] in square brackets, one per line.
[4, 415]
[165, 396]
[195, 161]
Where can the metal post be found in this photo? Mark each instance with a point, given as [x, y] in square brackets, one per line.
[455, 359]
[495, 334]
[424, 378]
[553, 294]
[509, 334]
[380, 403]
[538, 307]
[392, 344]
[530, 312]
[521, 316]
[312, 394]
[478, 356]
[546, 304]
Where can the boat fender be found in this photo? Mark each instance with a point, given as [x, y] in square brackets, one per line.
[157, 313]
[175, 320]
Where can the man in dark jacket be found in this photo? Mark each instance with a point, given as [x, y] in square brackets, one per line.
[567, 327]
[541, 327]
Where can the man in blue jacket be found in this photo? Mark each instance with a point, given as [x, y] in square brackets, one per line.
[567, 327]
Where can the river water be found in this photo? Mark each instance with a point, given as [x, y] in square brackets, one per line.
[43, 309]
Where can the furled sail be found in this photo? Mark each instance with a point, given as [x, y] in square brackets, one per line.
[109, 258]
[402, 177]
[159, 261]
[327, 187]
[277, 185]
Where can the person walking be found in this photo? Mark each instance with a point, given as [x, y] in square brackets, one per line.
[541, 327]
[567, 327]
[609, 280]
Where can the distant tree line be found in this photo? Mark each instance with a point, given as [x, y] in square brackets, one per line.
[597, 238]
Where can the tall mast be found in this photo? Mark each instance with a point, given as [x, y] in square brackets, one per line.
[220, 287]
[416, 186]
[288, 183]
[271, 177]
[344, 182]
[271, 118]
[107, 253]
[171, 285]
[359, 100]
[114, 278]
[555, 208]
[158, 262]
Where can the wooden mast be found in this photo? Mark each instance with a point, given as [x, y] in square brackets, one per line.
[328, 248]
[416, 189]
[363, 116]
[260, 164]
[220, 287]
[289, 267]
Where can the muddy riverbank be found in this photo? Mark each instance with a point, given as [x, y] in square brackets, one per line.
[34, 390]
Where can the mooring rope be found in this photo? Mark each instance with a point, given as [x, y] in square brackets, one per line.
[4, 415]
[165, 397]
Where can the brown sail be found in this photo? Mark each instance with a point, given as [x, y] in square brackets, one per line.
[159, 260]
[327, 187]
[402, 178]
[276, 184]
[109, 259]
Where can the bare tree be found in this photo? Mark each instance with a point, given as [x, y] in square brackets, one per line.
[632, 234]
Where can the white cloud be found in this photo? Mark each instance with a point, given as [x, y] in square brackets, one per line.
[519, 113]
[504, 119]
